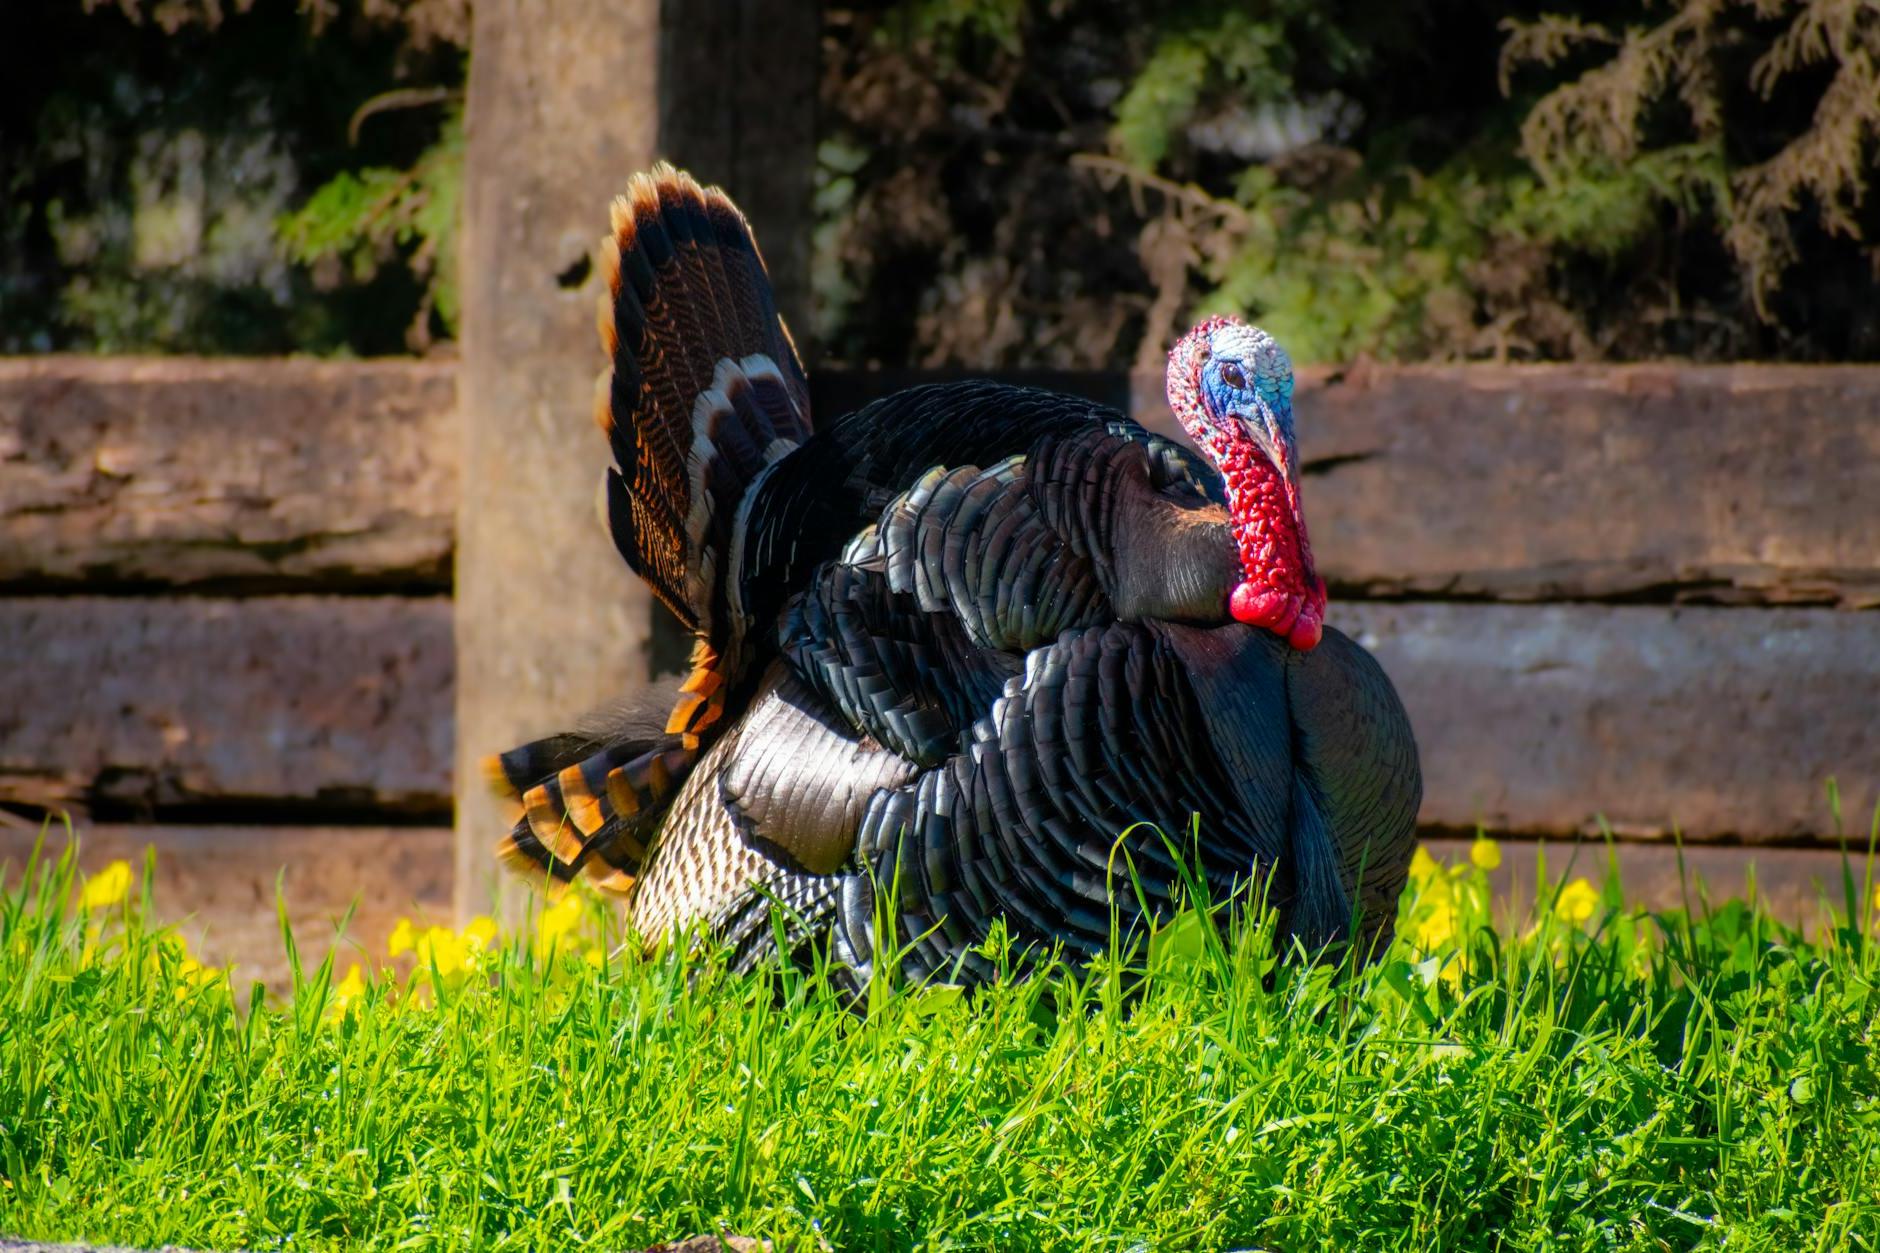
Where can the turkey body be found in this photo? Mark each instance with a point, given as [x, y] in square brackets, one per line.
[963, 657]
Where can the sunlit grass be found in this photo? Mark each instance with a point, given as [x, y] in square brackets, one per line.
[1592, 1077]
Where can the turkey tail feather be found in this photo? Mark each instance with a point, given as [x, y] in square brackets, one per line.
[588, 801]
[595, 816]
[704, 393]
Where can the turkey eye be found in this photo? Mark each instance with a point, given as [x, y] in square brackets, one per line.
[1231, 375]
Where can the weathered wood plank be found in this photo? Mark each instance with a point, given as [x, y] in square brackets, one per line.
[1726, 723]
[1722, 722]
[264, 474]
[1738, 484]
[562, 109]
[217, 883]
[1747, 484]
[308, 705]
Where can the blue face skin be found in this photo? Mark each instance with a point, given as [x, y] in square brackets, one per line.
[1236, 390]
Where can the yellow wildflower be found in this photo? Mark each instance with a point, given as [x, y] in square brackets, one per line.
[347, 992]
[1576, 902]
[1485, 853]
[169, 946]
[1423, 867]
[171, 950]
[1436, 925]
[403, 939]
[478, 937]
[557, 921]
[108, 887]
[192, 975]
[595, 958]
[440, 948]
[480, 932]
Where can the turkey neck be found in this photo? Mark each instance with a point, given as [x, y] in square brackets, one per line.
[1279, 588]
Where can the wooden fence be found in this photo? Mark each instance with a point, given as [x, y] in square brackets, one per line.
[1645, 596]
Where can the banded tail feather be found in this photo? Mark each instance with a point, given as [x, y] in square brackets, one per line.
[595, 815]
[588, 801]
[704, 393]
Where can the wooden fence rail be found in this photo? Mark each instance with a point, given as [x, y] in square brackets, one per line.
[1723, 484]
[1743, 484]
[251, 476]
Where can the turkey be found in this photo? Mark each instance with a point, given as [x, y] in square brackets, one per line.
[971, 653]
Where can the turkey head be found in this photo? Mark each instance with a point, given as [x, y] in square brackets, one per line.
[1231, 387]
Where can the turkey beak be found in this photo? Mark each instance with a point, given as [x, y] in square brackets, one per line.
[1263, 427]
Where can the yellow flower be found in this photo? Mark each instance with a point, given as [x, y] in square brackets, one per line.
[478, 936]
[1485, 853]
[171, 950]
[169, 946]
[595, 958]
[1436, 926]
[480, 933]
[192, 975]
[347, 992]
[403, 938]
[1423, 867]
[440, 948]
[1576, 902]
[557, 921]
[108, 887]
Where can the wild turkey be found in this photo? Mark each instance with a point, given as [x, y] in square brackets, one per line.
[951, 647]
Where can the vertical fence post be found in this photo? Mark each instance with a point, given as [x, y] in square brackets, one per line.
[549, 623]
[565, 101]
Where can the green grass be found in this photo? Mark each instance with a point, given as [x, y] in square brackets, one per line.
[1593, 1078]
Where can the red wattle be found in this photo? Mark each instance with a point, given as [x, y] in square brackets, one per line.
[1280, 590]
[1263, 607]
[1307, 631]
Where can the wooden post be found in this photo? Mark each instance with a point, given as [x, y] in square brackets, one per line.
[564, 103]
[549, 622]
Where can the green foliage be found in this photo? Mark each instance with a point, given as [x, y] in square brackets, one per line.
[1441, 265]
[1027, 182]
[153, 146]
[1607, 207]
[1382, 269]
[1666, 88]
[1468, 258]
[1247, 56]
[949, 22]
[1400, 181]
[832, 286]
[1587, 1076]
[366, 218]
